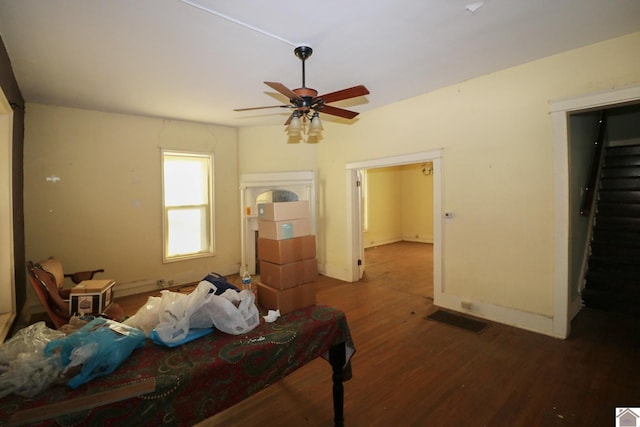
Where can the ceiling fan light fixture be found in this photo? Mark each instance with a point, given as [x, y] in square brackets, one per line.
[294, 132]
[315, 126]
[295, 125]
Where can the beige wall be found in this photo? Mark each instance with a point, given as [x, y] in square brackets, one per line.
[105, 210]
[417, 203]
[400, 204]
[497, 169]
[384, 206]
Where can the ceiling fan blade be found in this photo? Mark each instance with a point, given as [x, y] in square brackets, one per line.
[339, 95]
[262, 108]
[283, 90]
[335, 111]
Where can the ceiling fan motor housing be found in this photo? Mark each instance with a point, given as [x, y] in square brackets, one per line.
[307, 95]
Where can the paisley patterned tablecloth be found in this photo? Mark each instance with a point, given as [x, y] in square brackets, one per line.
[198, 379]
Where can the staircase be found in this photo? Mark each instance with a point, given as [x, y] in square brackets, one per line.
[612, 281]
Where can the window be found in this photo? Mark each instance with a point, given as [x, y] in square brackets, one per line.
[187, 205]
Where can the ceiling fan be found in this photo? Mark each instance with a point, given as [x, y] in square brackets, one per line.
[306, 103]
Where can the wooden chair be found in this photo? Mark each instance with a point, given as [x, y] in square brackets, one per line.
[47, 280]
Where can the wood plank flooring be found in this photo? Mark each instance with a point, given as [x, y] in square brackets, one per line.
[410, 371]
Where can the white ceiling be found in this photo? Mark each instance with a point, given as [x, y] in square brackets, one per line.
[168, 58]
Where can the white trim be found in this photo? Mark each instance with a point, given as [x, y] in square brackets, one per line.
[563, 308]
[521, 319]
[595, 100]
[404, 159]
[274, 178]
[561, 322]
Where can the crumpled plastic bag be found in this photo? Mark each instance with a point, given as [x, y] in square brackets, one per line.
[147, 317]
[24, 368]
[232, 312]
[96, 349]
[173, 315]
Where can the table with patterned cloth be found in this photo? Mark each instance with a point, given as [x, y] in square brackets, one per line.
[157, 385]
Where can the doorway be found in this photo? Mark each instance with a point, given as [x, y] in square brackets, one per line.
[398, 226]
[566, 305]
[264, 187]
[356, 211]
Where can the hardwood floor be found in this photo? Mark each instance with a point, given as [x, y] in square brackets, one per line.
[408, 263]
[411, 371]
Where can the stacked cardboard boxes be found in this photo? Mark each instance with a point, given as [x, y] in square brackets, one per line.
[287, 254]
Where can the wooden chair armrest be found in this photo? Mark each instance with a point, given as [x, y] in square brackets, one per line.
[83, 275]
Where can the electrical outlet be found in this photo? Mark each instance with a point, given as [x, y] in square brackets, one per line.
[170, 282]
[162, 284]
[466, 305]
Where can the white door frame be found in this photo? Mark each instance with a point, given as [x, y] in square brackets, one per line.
[563, 308]
[354, 220]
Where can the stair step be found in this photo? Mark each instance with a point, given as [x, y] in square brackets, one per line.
[632, 184]
[614, 161]
[618, 210]
[620, 172]
[616, 238]
[624, 196]
[603, 264]
[623, 254]
[631, 225]
[622, 150]
[612, 281]
[620, 281]
[610, 301]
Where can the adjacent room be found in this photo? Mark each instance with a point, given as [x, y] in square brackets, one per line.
[471, 172]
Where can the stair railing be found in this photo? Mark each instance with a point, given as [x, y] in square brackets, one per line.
[590, 189]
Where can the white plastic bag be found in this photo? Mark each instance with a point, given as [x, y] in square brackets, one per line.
[24, 368]
[233, 312]
[178, 312]
[147, 317]
[172, 315]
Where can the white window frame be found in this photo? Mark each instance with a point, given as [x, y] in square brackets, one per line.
[209, 207]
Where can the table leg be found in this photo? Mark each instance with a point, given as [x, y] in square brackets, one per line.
[337, 360]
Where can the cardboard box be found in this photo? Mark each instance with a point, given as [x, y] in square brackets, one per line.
[287, 300]
[284, 276]
[288, 250]
[91, 297]
[279, 230]
[282, 211]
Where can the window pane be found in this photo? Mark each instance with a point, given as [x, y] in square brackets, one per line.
[185, 180]
[277, 196]
[187, 231]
